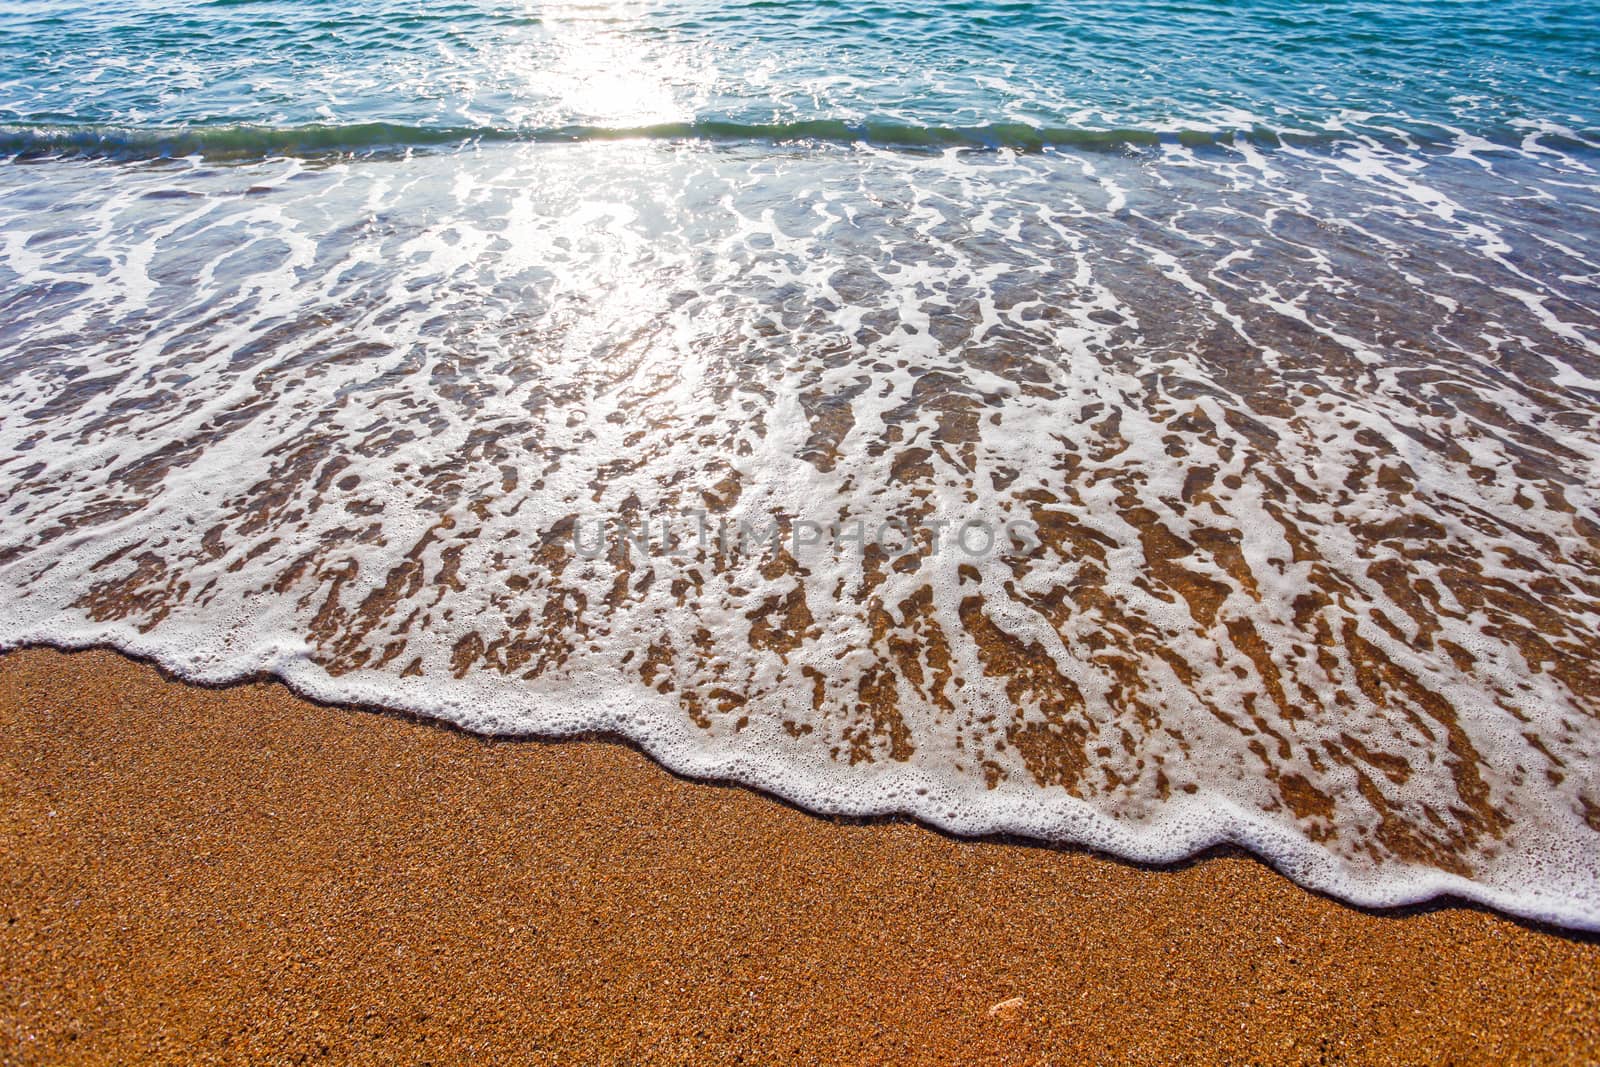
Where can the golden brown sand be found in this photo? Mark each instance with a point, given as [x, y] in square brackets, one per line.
[237, 874]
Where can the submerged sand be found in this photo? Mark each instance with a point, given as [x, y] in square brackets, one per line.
[240, 875]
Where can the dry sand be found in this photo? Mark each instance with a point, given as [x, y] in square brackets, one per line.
[237, 874]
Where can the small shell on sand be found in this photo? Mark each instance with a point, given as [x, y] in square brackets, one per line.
[1007, 1010]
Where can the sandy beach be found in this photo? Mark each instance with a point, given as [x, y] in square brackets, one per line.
[1053, 438]
[199, 875]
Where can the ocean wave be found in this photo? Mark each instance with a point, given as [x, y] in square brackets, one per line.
[1309, 443]
[246, 141]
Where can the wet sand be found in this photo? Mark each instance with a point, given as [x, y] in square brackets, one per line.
[240, 875]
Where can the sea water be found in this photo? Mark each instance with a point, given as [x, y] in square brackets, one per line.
[1144, 425]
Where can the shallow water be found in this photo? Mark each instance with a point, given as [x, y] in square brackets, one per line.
[1131, 447]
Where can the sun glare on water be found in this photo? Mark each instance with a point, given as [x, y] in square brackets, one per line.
[590, 70]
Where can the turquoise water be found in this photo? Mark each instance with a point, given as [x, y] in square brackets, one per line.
[401, 352]
[1005, 73]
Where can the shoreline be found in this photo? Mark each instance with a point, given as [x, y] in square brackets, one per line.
[444, 892]
[1424, 887]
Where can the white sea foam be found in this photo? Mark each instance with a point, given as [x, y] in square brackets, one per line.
[1309, 438]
